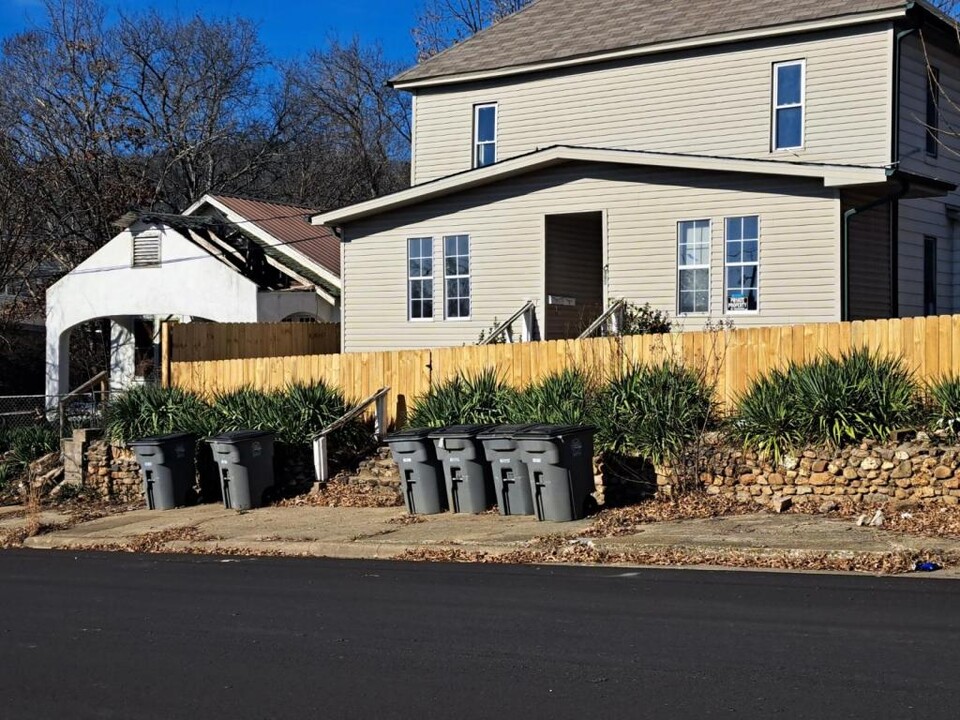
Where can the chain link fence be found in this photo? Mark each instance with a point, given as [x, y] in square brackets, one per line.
[80, 411]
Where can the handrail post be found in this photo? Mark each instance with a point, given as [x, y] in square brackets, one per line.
[380, 422]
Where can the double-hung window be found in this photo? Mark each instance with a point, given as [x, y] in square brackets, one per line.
[484, 135]
[788, 99]
[420, 278]
[456, 258]
[693, 266]
[742, 260]
[933, 112]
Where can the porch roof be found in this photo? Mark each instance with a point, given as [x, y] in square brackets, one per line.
[831, 175]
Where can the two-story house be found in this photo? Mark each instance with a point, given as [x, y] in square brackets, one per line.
[766, 162]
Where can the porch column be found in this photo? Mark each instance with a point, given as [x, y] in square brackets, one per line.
[123, 353]
[57, 364]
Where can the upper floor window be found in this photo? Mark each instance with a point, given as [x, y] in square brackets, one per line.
[484, 135]
[694, 266]
[933, 111]
[456, 256]
[788, 99]
[146, 249]
[742, 261]
[420, 278]
[929, 275]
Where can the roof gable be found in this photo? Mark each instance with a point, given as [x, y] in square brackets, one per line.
[554, 30]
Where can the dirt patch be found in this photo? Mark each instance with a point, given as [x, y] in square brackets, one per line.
[340, 494]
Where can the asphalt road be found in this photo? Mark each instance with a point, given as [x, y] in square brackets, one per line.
[140, 637]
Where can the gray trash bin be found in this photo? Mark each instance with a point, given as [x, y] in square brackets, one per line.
[245, 460]
[466, 471]
[559, 459]
[421, 474]
[167, 468]
[511, 481]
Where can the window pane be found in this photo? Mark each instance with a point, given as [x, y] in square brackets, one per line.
[451, 288]
[426, 247]
[788, 84]
[701, 279]
[701, 301]
[452, 306]
[450, 246]
[734, 228]
[414, 268]
[702, 255]
[686, 302]
[463, 289]
[463, 266]
[751, 227]
[749, 251]
[450, 265]
[734, 278]
[686, 280]
[789, 123]
[464, 308]
[416, 288]
[750, 276]
[416, 310]
[427, 288]
[486, 154]
[734, 252]
[426, 267]
[486, 124]
[463, 245]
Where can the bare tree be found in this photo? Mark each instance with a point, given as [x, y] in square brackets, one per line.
[442, 23]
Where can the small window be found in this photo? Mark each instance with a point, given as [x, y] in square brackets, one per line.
[694, 266]
[484, 135]
[788, 98]
[742, 261]
[420, 277]
[933, 112]
[456, 258]
[146, 249]
[930, 275]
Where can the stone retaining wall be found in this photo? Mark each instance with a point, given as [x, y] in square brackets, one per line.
[112, 473]
[871, 472]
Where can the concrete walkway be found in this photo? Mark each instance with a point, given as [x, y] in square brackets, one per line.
[388, 532]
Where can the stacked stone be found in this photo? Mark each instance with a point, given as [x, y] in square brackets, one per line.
[871, 472]
[379, 470]
[112, 473]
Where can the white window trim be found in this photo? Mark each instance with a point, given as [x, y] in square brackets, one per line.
[476, 133]
[706, 267]
[468, 276]
[776, 107]
[431, 278]
[741, 264]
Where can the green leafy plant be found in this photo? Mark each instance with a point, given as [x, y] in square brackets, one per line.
[644, 320]
[655, 411]
[943, 404]
[150, 410]
[829, 401]
[563, 398]
[482, 399]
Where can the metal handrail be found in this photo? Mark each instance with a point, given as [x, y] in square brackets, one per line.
[505, 326]
[320, 461]
[598, 323]
[99, 378]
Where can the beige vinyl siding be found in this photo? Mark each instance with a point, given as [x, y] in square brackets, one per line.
[573, 269]
[799, 251]
[923, 217]
[715, 101]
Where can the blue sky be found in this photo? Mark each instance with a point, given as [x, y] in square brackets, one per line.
[287, 27]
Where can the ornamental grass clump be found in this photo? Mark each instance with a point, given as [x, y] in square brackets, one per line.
[149, 410]
[563, 398]
[943, 404]
[828, 401]
[481, 399]
[654, 411]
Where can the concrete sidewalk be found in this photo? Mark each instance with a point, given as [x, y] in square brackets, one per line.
[387, 533]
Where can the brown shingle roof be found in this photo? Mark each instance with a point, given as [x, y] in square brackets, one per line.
[550, 30]
[290, 225]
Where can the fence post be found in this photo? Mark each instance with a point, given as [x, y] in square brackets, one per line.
[165, 354]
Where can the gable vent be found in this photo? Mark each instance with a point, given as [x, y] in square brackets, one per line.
[146, 249]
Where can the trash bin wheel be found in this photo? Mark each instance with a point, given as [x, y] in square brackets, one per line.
[590, 506]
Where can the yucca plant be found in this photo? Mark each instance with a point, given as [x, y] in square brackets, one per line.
[480, 399]
[943, 404]
[248, 409]
[655, 411]
[563, 398]
[765, 417]
[149, 410]
[31, 442]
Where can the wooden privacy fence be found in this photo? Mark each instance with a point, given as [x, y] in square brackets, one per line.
[202, 341]
[731, 359]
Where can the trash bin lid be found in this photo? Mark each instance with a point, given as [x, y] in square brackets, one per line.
[409, 434]
[162, 439]
[502, 431]
[238, 436]
[459, 431]
[553, 431]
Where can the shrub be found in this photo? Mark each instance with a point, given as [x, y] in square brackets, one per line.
[943, 397]
[656, 411]
[644, 320]
[150, 410]
[563, 398]
[465, 399]
[829, 401]
[32, 442]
